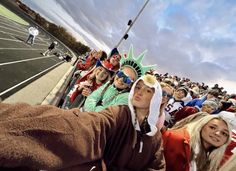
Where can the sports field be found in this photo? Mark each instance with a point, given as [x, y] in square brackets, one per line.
[10, 15]
[22, 64]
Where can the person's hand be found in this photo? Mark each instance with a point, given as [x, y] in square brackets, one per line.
[86, 91]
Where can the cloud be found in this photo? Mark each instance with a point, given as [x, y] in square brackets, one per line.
[194, 39]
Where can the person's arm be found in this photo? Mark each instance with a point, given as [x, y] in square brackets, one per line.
[49, 138]
[92, 100]
[192, 102]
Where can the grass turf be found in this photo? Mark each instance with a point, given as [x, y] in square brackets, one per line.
[6, 13]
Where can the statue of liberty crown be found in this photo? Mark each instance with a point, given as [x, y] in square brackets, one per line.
[135, 63]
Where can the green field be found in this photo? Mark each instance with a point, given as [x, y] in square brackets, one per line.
[6, 13]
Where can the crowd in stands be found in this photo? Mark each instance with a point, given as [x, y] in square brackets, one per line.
[117, 114]
[181, 98]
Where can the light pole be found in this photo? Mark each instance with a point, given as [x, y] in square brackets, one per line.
[130, 24]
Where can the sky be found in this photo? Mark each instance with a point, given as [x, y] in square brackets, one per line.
[194, 39]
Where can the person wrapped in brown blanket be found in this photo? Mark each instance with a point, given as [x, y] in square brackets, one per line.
[45, 137]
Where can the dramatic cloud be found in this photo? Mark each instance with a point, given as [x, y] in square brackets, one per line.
[194, 39]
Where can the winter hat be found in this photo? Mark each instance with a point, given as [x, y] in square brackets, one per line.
[135, 63]
[155, 103]
[105, 64]
[211, 103]
[230, 117]
[184, 89]
[185, 112]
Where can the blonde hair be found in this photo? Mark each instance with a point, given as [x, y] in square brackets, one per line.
[163, 84]
[206, 160]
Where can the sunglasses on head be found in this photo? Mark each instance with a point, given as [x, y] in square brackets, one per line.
[126, 79]
[164, 93]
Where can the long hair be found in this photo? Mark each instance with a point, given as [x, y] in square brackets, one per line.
[92, 76]
[205, 160]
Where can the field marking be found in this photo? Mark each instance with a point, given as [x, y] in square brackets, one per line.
[17, 85]
[19, 49]
[37, 38]
[15, 40]
[25, 60]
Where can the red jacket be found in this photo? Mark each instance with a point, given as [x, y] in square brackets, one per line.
[229, 150]
[87, 65]
[84, 78]
[176, 149]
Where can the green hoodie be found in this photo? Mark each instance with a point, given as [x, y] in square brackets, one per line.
[111, 97]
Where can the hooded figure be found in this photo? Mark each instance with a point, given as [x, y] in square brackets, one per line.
[155, 104]
[49, 138]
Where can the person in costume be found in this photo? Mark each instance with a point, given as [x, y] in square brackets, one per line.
[197, 143]
[116, 91]
[119, 138]
[87, 84]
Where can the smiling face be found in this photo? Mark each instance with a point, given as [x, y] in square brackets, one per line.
[214, 134]
[207, 108]
[179, 94]
[97, 55]
[101, 74]
[142, 96]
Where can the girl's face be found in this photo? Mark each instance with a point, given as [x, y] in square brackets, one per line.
[142, 95]
[124, 78]
[101, 74]
[115, 60]
[166, 94]
[207, 108]
[97, 55]
[214, 134]
[179, 94]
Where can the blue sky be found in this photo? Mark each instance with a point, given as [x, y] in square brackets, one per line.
[194, 39]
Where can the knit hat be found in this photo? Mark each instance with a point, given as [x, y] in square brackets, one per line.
[135, 63]
[211, 103]
[155, 103]
[184, 89]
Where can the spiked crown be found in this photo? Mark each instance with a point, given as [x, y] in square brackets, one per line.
[135, 63]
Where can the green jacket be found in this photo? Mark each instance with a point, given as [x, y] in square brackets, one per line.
[111, 97]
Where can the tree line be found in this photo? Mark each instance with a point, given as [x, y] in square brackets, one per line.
[59, 32]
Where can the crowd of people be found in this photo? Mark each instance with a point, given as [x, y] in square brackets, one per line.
[119, 115]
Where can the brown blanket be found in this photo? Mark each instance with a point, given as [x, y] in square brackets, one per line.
[46, 137]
